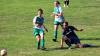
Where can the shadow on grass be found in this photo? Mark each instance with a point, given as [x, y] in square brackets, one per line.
[91, 6]
[92, 46]
[90, 39]
[66, 48]
[87, 6]
[58, 48]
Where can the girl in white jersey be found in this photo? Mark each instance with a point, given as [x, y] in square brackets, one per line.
[59, 19]
[38, 29]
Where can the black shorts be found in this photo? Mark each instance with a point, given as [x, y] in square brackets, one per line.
[67, 1]
[73, 40]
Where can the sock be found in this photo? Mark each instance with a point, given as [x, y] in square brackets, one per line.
[42, 43]
[38, 44]
[87, 45]
[55, 34]
[67, 3]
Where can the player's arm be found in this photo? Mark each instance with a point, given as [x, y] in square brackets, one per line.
[45, 28]
[54, 14]
[60, 12]
[34, 21]
[62, 42]
[78, 29]
[62, 39]
[57, 14]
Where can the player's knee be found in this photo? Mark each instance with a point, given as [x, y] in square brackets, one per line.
[38, 37]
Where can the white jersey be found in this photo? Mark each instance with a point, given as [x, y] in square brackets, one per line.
[39, 20]
[56, 11]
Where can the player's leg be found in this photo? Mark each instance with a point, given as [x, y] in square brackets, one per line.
[77, 42]
[61, 24]
[67, 3]
[42, 39]
[55, 31]
[38, 41]
[68, 42]
[62, 40]
[62, 21]
[37, 36]
[88, 45]
[79, 45]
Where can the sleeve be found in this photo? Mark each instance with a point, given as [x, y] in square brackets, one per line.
[72, 27]
[60, 9]
[34, 20]
[54, 11]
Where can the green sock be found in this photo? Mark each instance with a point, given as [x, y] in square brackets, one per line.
[55, 34]
[38, 44]
[42, 43]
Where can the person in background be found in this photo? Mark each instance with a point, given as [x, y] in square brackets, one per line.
[66, 3]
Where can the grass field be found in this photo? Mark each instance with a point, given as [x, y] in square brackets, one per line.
[16, 27]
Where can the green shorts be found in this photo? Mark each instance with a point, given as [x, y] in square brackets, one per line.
[58, 23]
[37, 31]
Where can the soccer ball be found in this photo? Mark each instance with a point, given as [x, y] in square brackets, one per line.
[3, 52]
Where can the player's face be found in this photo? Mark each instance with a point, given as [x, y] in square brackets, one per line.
[55, 4]
[39, 13]
[65, 25]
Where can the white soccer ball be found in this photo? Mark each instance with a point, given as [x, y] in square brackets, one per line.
[3, 52]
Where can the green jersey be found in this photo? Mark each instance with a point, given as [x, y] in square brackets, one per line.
[58, 10]
[38, 20]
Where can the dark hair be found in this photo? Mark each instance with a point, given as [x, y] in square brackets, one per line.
[66, 22]
[57, 2]
[40, 10]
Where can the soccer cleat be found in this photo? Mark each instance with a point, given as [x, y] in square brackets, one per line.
[54, 40]
[38, 48]
[69, 47]
[43, 48]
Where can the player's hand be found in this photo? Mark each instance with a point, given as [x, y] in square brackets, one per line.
[52, 14]
[81, 29]
[46, 30]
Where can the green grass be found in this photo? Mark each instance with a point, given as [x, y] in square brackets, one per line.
[16, 27]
